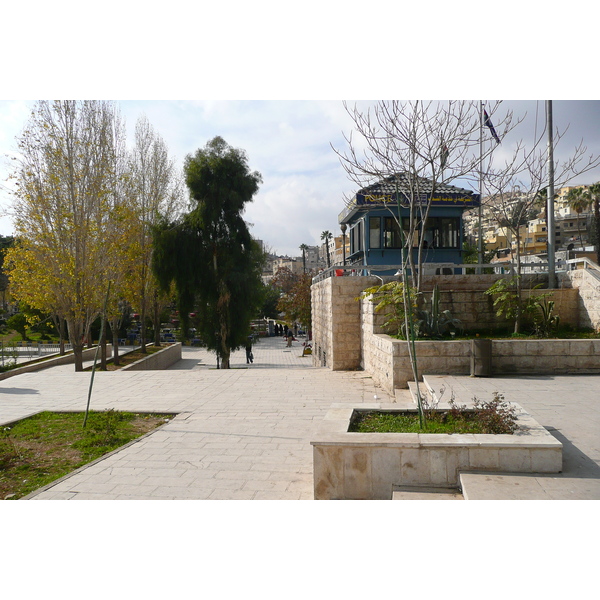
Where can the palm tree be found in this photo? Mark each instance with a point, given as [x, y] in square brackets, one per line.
[580, 200]
[304, 248]
[326, 236]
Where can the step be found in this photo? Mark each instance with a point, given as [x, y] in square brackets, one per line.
[425, 493]
[425, 391]
[484, 485]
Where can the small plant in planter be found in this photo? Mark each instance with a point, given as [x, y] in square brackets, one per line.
[509, 302]
[495, 416]
[392, 295]
[545, 321]
[435, 323]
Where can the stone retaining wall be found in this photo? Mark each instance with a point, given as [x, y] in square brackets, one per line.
[157, 361]
[336, 327]
[348, 334]
[588, 299]
[65, 359]
[476, 310]
[387, 359]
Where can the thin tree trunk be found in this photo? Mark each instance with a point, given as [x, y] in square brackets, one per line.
[103, 351]
[114, 325]
[78, 354]
[143, 329]
[61, 335]
[156, 320]
[518, 286]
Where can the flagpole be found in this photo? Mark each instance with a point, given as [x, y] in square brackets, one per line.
[480, 245]
[550, 201]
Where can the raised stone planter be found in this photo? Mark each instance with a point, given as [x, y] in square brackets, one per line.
[157, 361]
[365, 466]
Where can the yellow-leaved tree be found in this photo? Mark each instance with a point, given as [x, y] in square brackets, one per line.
[68, 217]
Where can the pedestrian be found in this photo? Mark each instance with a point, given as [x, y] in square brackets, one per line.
[290, 337]
[249, 355]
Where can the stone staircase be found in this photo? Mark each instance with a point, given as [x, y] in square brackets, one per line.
[482, 485]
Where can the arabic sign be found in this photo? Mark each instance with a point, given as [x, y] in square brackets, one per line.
[446, 200]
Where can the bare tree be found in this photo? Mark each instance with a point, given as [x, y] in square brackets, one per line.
[419, 147]
[526, 170]
[157, 193]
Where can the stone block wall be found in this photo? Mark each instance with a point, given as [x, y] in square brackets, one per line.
[157, 361]
[336, 326]
[588, 298]
[476, 310]
[348, 334]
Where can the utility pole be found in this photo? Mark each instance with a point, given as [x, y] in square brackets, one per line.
[480, 240]
[550, 228]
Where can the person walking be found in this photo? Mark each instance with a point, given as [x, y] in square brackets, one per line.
[290, 337]
[249, 355]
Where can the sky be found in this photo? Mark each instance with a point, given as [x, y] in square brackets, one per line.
[290, 143]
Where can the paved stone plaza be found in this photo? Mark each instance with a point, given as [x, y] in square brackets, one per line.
[245, 433]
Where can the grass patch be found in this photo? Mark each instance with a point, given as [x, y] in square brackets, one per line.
[382, 422]
[493, 417]
[49, 445]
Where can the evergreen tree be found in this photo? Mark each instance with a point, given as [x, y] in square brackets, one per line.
[209, 253]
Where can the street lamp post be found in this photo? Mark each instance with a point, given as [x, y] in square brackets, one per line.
[343, 227]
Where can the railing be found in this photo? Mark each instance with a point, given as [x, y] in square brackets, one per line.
[32, 348]
[428, 269]
[507, 268]
[584, 263]
[36, 349]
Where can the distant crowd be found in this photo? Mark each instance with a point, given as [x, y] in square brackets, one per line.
[282, 330]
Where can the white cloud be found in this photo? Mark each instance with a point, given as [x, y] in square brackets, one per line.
[289, 143]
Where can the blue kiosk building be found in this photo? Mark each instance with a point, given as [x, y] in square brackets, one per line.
[374, 234]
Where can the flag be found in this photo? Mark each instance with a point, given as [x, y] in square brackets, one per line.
[488, 123]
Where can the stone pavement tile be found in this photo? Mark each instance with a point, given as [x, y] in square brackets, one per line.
[265, 485]
[145, 489]
[220, 494]
[494, 486]
[88, 496]
[72, 484]
[276, 495]
[241, 476]
[247, 427]
[571, 488]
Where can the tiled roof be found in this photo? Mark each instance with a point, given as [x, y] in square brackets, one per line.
[421, 185]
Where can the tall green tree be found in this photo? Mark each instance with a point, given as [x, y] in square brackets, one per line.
[209, 253]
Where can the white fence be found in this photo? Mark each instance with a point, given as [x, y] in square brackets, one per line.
[29, 350]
